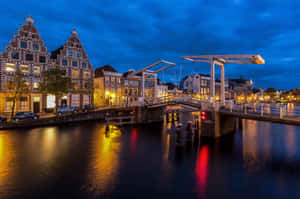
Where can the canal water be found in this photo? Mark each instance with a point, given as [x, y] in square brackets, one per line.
[261, 160]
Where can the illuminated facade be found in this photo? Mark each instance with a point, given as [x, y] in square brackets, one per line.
[199, 84]
[114, 88]
[72, 59]
[240, 89]
[107, 86]
[25, 52]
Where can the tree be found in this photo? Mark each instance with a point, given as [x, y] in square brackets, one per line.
[18, 86]
[271, 90]
[55, 82]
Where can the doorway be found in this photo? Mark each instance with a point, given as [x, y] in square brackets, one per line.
[36, 107]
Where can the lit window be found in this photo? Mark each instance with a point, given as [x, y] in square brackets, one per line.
[64, 62]
[10, 67]
[50, 101]
[78, 54]
[36, 85]
[70, 53]
[15, 55]
[23, 44]
[75, 85]
[86, 74]
[83, 65]
[75, 73]
[74, 63]
[36, 69]
[24, 68]
[35, 46]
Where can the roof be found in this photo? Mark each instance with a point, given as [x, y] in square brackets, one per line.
[56, 52]
[99, 72]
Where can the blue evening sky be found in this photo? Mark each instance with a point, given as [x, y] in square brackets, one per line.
[133, 34]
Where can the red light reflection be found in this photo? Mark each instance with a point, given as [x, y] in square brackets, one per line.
[202, 171]
[133, 140]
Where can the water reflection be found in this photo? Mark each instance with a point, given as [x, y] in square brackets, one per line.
[202, 165]
[6, 157]
[257, 145]
[105, 159]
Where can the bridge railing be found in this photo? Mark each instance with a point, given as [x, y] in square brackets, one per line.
[262, 109]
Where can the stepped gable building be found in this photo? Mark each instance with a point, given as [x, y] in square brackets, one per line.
[72, 59]
[25, 52]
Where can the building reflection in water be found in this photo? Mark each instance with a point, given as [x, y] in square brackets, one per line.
[290, 140]
[6, 157]
[257, 144]
[201, 170]
[105, 159]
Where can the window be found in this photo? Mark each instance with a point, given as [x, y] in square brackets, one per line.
[35, 46]
[36, 69]
[23, 44]
[118, 80]
[126, 82]
[83, 65]
[70, 53]
[74, 63]
[78, 54]
[75, 73]
[24, 68]
[64, 62]
[8, 104]
[75, 85]
[15, 55]
[24, 105]
[86, 74]
[64, 72]
[34, 36]
[10, 67]
[42, 59]
[50, 101]
[106, 79]
[36, 85]
[29, 57]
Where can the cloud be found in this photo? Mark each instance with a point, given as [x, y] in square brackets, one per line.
[133, 34]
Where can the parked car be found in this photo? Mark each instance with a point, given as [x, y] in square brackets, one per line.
[24, 116]
[66, 109]
[3, 119]
[89, 107]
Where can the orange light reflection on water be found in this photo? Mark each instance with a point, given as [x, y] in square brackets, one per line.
[105, 160]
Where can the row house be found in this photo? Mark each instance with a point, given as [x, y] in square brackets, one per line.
[27, 53]
[114, 88]
[199, 84]
[72, 59]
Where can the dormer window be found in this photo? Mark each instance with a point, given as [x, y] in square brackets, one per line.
[23, 44]
[35, 46]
